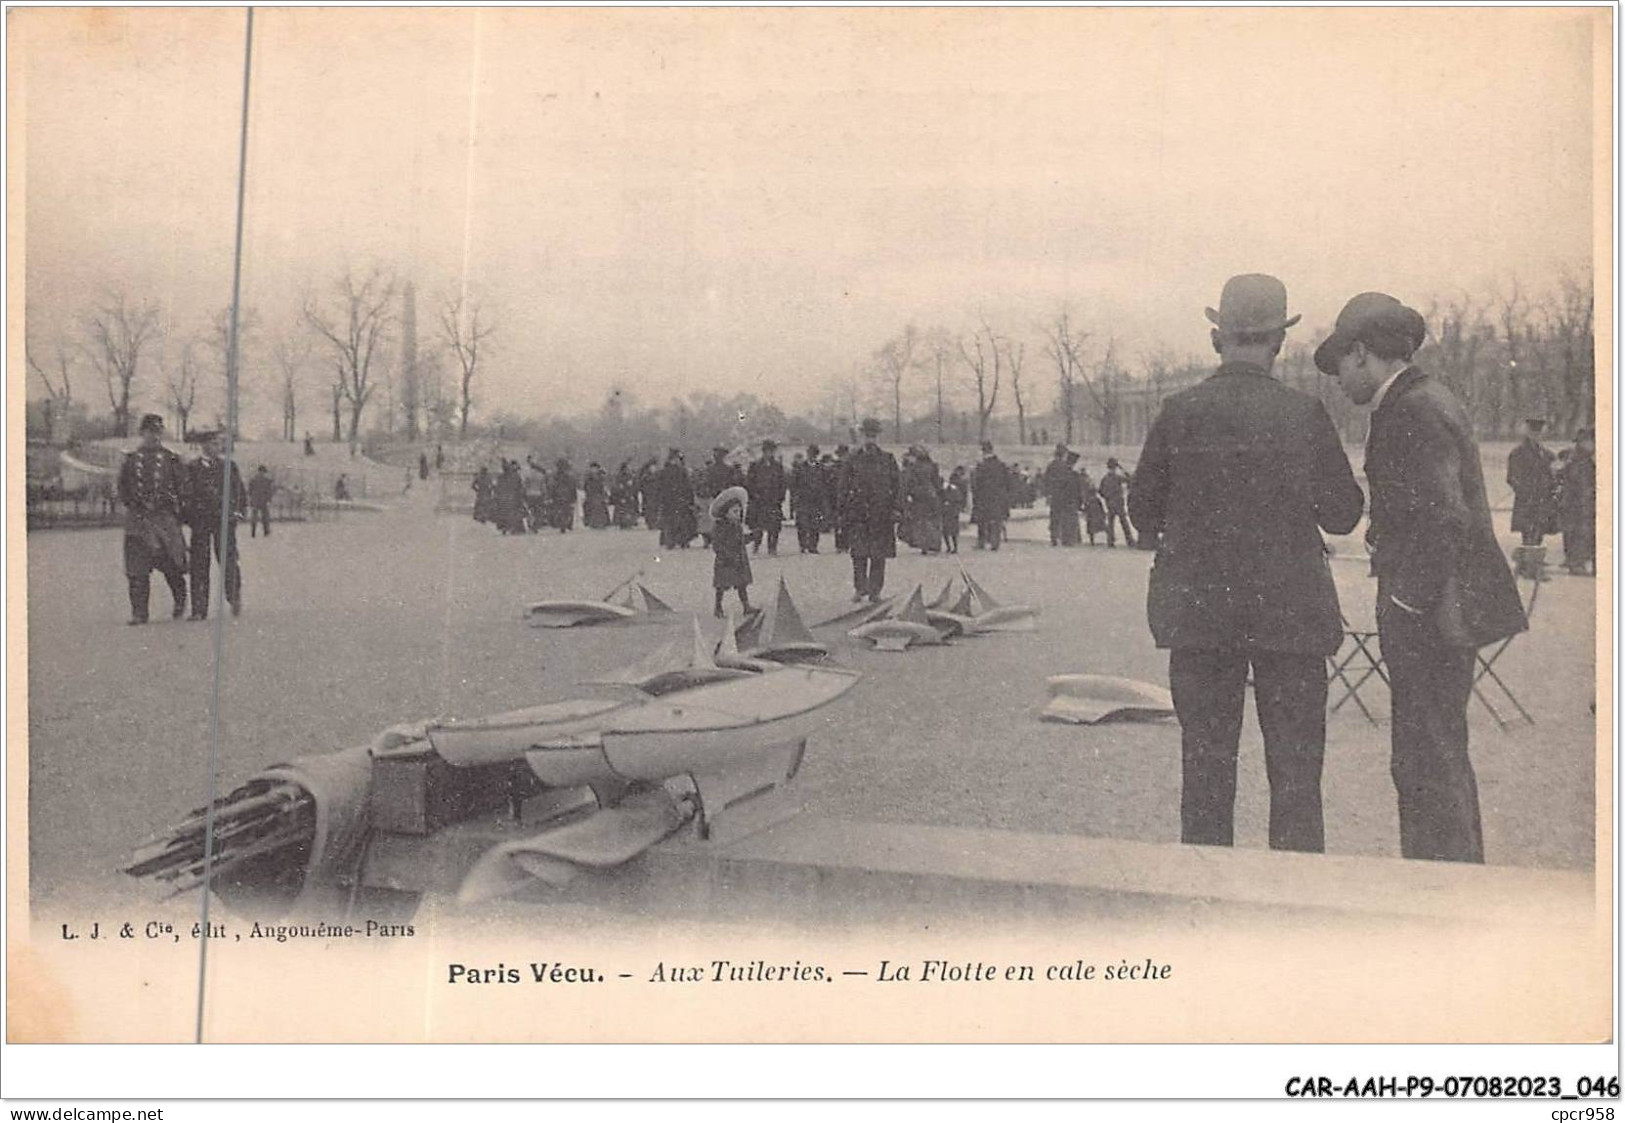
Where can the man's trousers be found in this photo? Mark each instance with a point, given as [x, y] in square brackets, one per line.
[1209, 688]
[1431, 682]
[203, 537]
[868, 576]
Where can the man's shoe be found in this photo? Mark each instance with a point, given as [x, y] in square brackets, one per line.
[857, 598]
[178, 611]
[136, 620]
[198, 616]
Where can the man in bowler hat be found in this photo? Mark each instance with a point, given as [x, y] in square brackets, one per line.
[1238, 477]
[1443, 586]
[870, 502]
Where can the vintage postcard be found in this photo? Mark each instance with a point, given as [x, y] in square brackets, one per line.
[811, 525]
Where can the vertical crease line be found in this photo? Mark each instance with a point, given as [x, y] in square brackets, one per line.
[223, 542]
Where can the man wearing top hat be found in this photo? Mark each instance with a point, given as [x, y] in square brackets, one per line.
[990, 486]
[808, 499]
[1238, 478]
[152, 489]
[1065, 498]
[869, 505]
[764, 483]
[1443, 586]
[1530, 475]
[205, 476]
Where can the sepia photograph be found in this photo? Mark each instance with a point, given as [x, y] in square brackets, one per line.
[813, 525]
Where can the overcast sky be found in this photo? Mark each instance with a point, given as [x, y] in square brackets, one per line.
[754, 200]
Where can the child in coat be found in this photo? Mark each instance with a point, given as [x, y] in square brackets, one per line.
[731, 569]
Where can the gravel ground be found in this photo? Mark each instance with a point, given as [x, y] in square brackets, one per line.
[356, 624]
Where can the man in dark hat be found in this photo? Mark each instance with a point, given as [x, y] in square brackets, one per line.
[1534, 490]
[152, 488]
[260, 490]
[1065, 500]
[1443, 586]
[765, 511]
[678, 519]
[808, 500]
[989, 498]
[207, 475]
[832, 481]
[1114, 489]
[1579, 506]
[870, 505]
[1238, 478]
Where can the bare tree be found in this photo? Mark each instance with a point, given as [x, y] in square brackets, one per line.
[1014, 352]
[1570, 326]
[290, 351]
[940, 346]
[986, 364]
[117, 332]
[218, 340]
[461, 328]
[1065, 348]
[338, 401]
[356, 331]
[180, 383]
[58, 389]
[896, 358]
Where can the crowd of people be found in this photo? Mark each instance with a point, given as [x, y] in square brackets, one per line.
[675, 499]
[1555, 493]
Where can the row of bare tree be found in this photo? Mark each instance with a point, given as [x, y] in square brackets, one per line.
[362, 331]
[1508, 357]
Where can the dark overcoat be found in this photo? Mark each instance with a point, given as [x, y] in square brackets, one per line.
[765, 484]
[1579, 503]
[1534, 498]
[1433, 546]
[922, 505]
[808, 495]
[989, 491]
[1238, 477]
[869, 498]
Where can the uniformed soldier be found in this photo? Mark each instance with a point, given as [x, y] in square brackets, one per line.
[152, 488]
[203, 517]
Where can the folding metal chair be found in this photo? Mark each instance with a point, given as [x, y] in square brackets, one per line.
[1364, 659]
[1486, 669]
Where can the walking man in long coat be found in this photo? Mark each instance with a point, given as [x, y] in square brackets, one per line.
[1529, 473]
[1238, 477]
[870, 498]
[203, 517]
[989, 498]
[1443, 586]
[152, 488]
[764, 482]
[807, 500]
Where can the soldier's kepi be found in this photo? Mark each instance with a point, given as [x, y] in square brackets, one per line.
[152, 488]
